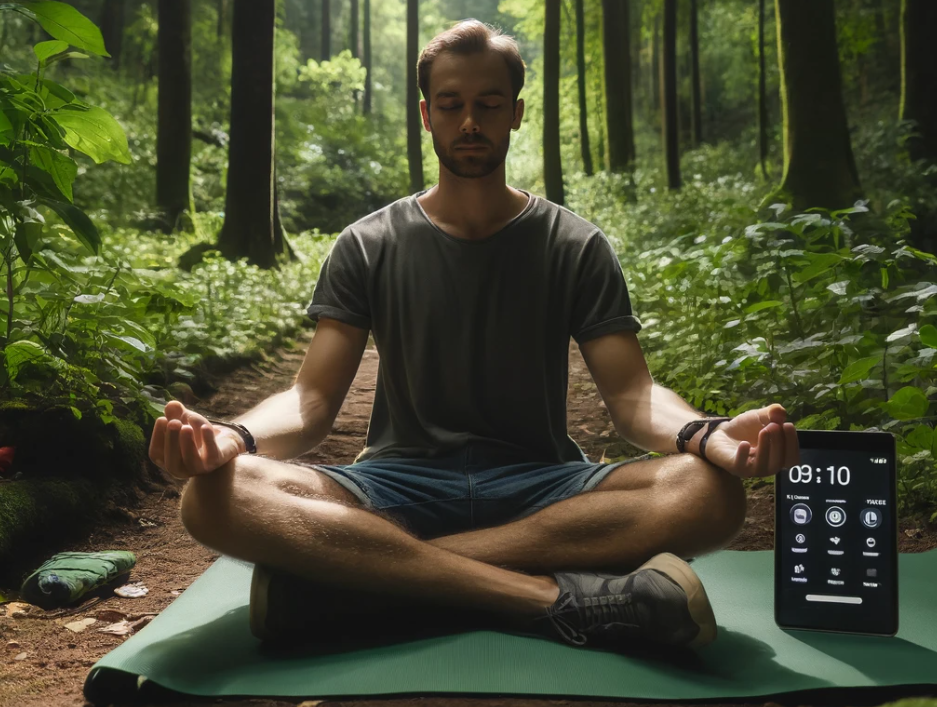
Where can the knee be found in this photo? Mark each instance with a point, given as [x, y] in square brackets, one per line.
[715, 499]
[211, 502]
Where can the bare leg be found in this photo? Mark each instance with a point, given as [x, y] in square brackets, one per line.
[242, 510]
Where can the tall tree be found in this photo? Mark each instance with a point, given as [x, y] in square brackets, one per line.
[552, 164]
[221, 7]
[353, 30]
[112, 29]
[581, 79]
[696, 116]
[819, 169]
[414, 120]
[174, 111]
[367, 57]
[668, 80]
[919, 75]
[325, 45]
[251, 225]
[655, 66]
[762, 93]
[618, 118]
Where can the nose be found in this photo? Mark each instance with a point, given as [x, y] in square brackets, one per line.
[469, 125]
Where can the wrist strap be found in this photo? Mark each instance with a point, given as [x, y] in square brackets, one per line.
[694, 426]
[240, 429]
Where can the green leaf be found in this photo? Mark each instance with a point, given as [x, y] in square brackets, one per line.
[62, 168]
[64, 22]
[78, 221]
[55, 95]
[21, 352]
[126, 340]
[94, 132]
[907, 404]
[758, 306]
[67, 55]
[44, 50]
[857, 370]
[76, 412]
[928, 334]
[26, 236]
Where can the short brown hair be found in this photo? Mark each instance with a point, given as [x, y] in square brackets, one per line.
[468, 37]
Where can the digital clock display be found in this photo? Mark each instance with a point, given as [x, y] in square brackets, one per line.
[832, 475]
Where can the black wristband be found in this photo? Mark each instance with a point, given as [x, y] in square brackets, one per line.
[241, 430]
[694, 426]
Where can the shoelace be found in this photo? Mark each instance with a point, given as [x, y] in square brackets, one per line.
[596, 611]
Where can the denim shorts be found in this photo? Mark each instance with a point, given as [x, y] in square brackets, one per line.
[470, 488]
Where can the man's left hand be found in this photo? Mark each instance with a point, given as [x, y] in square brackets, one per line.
[755, 443]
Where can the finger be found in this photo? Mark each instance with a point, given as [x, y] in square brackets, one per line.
[157, 441]
[741, 459]
[763, 453]
[189, 450]
[173, 455]
[777, 449]
[174, 410]
[197, 422]
[213, 455]
[791, 446]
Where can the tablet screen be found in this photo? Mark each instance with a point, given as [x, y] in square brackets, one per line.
[836, 535]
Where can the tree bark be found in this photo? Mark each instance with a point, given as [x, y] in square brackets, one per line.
[618, 112]
[552, 164]
[655, 66]
[367, 57]
[325, 44]
[581, 78]
[112, 29]
[174, 111]
[819, 169]
[414, 120]
[762, 93]
[222, 11]
[668, 79]
[696, 116]
[248, 229]
[353, 30]
[919, 76]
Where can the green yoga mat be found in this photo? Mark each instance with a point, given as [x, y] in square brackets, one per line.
[201, 645]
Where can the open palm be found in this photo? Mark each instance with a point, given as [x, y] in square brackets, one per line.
[756, 443]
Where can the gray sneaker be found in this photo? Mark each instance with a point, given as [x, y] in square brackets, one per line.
[662, 603]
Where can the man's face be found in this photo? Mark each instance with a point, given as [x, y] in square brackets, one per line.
[471, 114]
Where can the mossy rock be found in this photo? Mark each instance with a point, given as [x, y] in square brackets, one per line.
[51, 442]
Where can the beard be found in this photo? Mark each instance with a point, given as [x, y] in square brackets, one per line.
[472, 165]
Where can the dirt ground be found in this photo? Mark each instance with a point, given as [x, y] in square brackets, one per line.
[44, 663]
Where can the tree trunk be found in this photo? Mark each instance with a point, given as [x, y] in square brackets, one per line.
[618, 118]
[655, 66]
[581, 77]
[308, 32]
[762, 93]
[112, 29]
[353, 30]
[248, 229]
[552, 164]
[668, 79]
[367, 57]
[174, 112]
[919, 75]
[325, 44]
[696, 116]
[222, 12]
[414, 121]
[819, 169]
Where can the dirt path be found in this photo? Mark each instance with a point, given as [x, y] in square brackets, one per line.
[57, 660]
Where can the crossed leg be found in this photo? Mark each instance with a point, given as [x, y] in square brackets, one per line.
[302, 522]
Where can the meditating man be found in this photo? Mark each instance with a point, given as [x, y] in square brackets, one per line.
[469, 495]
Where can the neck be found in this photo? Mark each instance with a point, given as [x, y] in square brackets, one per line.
[472, 207]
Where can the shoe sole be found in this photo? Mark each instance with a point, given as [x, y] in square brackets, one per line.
[701, 610]
[260, 585]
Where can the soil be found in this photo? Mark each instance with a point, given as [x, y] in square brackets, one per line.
[44, 663]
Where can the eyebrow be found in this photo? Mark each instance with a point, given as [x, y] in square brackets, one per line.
[455, 94]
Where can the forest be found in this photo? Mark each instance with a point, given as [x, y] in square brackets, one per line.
[173, 173]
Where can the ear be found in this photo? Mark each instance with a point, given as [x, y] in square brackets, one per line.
[424, 111]
[518, 114]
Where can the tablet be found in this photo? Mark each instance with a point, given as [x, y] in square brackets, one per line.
[836, 535]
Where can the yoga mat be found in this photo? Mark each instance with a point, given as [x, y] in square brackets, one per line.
[202, 645]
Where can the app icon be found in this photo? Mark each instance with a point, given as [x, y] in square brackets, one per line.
[871, 572]
[798, 569]
[871, 517]
[801, 538]
[835, 571]
[801, 514]
[835, 516]
[870, 542]
[835, 540]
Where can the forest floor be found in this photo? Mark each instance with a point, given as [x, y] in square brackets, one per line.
[44, 663]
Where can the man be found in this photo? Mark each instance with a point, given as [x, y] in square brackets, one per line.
[470, 495]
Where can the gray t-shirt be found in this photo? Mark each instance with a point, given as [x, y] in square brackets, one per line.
[473, 335]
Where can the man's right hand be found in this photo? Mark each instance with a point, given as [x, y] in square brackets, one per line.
[186, 444]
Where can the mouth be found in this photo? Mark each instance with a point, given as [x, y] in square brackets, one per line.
[472, 148]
